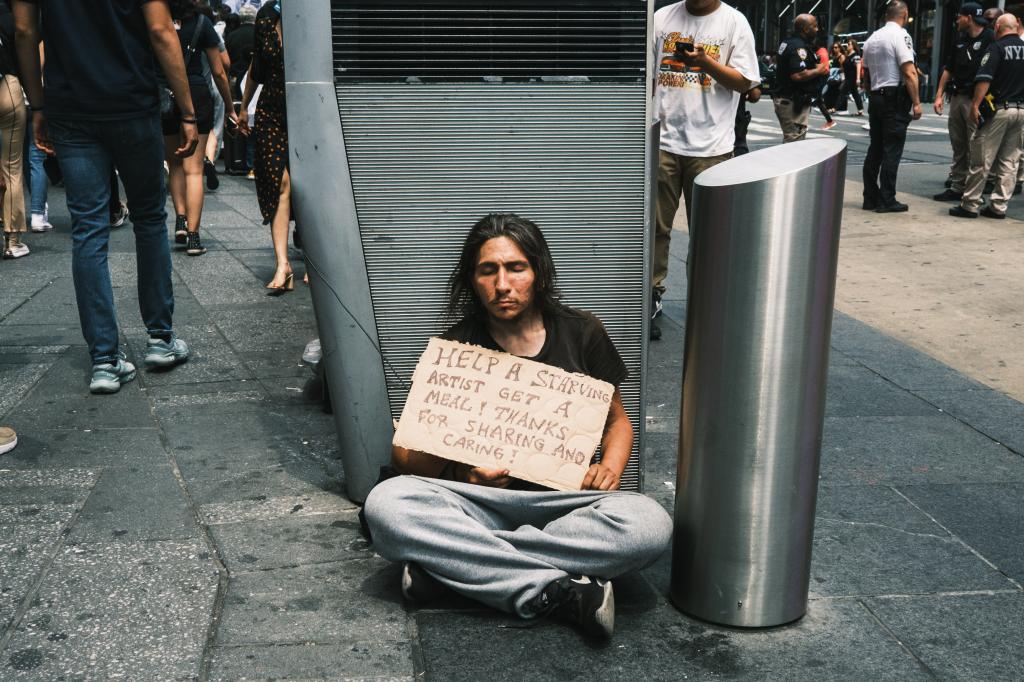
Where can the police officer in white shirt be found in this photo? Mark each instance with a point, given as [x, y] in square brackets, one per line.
[891, 77]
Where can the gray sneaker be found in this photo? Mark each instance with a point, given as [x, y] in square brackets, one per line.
[160, 353]
[107, 377]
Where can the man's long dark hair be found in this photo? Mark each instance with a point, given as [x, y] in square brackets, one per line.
[462, 298]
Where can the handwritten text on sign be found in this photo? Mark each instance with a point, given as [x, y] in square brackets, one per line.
[499, 411]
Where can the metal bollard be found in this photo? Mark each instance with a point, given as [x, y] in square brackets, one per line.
[759, 318]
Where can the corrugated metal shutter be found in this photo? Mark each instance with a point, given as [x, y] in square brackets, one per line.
[428, 160]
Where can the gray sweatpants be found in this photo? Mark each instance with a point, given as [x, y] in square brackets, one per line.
[503, 547]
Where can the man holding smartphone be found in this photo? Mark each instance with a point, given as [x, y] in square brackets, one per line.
[705, 59]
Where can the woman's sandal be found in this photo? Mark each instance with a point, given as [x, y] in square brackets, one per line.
[289, 285]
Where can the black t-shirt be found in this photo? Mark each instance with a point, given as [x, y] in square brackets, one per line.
[240, 45]
[965, 57]
[795, 55]
[99, 63]
[850, 66]
[575, 341]
[207, 38]
[8, 56]
[1003, 66]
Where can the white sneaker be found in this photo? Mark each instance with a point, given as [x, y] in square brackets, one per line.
[40, 223]
[16, 251]
[8, 439]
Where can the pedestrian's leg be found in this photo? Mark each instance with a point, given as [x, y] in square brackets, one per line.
[451, 536]
[195, 191]
[961, 129]
[279, 233]
[983, 148]
[40, 184]
[138, 148]
[873, 158]
[175, 175]
[1006, 161]
[855, 91]
[895, 136]
[85, 165]
[670, 186]
[12, 146]
[692, 166]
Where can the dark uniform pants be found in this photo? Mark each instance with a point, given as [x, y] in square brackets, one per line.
[889, 116]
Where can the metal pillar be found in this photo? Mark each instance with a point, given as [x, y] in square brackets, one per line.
[758, 324]
[325, 207]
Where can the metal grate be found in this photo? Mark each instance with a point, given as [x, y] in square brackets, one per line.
[427, 161]
[393, 40]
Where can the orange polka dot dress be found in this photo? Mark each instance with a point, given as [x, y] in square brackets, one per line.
[270, 130]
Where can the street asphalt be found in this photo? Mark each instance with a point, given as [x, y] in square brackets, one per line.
[194, 526]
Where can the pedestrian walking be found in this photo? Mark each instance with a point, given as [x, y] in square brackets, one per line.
[999, 90]
[889, 69]
[100, 106]
[798, 74]
[851, 78]
[186, 175]
[12, 141]
[706, 61]
[957, 81]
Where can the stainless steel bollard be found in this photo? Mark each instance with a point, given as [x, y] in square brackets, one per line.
[759, 318]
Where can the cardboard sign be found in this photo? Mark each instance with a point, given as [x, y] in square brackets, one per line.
[500, 411]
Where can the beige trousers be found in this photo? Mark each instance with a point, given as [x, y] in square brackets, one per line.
[794, 124]
[12, 145]
[997, 146]
[675, 176]
[961, 129]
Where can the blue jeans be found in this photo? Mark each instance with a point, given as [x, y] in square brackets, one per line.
[39, 184]
[86, 151]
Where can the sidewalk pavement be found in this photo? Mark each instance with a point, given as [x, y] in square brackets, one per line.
[193, 525]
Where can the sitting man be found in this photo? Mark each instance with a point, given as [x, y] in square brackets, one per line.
[505, 542]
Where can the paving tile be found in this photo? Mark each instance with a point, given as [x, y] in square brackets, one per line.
[836, 640]
[261, 507]
[995, 414]
[857, 392]
[43, 335]
[59, 449]
[321, 603]
[897, 450]
[354, 660]
[210, 358]
[868, 540]
[108, 611]
[18, 380]
[219, 278]
[132, 504]
[25, 550]
[960, 637]
[988, 517]
[41, 487]
[290, 541]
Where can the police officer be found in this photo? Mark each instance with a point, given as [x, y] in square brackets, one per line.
[958, 81]
[888, 68]
[998, 141]
[798, 74]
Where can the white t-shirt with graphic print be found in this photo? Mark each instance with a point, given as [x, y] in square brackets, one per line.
[697, 113]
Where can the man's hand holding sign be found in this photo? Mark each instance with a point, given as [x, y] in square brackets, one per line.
[506, 410]
[506, 417]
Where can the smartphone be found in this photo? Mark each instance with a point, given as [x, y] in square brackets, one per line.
[684, 47]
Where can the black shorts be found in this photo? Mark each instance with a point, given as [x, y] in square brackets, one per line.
[203, 103]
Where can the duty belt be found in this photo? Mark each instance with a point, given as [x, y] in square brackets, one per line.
[887, 90]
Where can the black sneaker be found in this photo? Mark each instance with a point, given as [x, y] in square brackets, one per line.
[869, 205]
[210, 171]
[961, 212]
[195, 246]
[895, 207]
[948, 183]
[581, 600]
[948, 195]
[989, 212]
[655, 304]
[180, 230]
[420, 586]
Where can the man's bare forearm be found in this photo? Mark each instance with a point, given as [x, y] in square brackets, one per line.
[26, 41]
[981, 89]
[617, 441]
[727, 76]
[910, 82]
[167, 48]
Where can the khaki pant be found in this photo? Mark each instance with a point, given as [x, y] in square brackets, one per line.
[12, 128]
[793, 120]
[675, 175]
[961, 129]
[996, 146]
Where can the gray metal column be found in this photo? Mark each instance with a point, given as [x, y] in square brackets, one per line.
[325, 208]
[759, 319]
